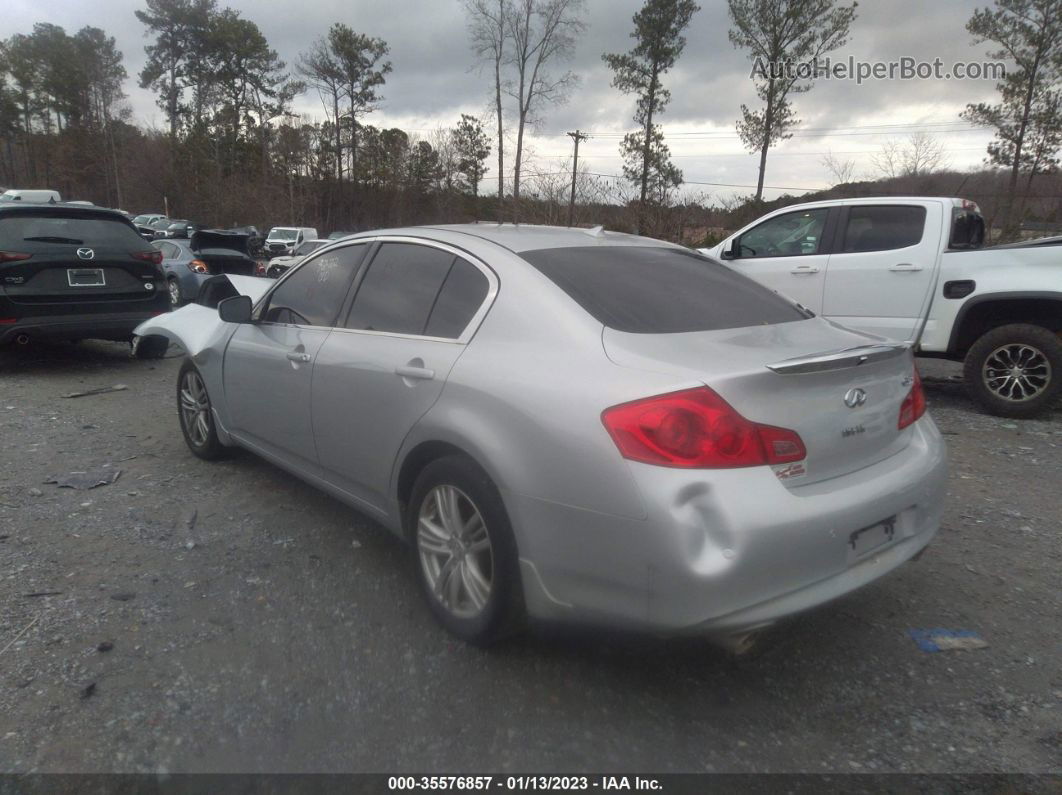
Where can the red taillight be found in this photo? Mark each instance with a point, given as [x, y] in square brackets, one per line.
[8, 321]
[259, 268]
[697, 429]
[154, 257]
[13, 256]
[914, 405]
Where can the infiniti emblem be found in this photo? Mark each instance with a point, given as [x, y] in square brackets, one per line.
[855, 397]
[86, 253]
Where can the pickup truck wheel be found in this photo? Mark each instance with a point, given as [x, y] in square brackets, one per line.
[1016, 370]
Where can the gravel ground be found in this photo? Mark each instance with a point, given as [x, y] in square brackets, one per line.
[225, 617]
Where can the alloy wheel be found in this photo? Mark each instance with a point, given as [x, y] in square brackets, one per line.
[455, 551]
[175, 292]
[1016, 372]
[195, 408]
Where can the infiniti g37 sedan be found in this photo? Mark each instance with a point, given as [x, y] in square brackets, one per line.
[574, 425]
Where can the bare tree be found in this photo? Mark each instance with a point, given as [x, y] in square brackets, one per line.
[489, 32]
[922, 154]
[542, 32]
[840, 171]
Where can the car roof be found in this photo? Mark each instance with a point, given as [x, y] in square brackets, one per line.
[530, 237]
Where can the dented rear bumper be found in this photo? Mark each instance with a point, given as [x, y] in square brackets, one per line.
[724, 551]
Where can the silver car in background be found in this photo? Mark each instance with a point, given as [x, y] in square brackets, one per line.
[574, 425]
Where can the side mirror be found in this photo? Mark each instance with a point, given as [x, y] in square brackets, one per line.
[236, 309]
[731, 249]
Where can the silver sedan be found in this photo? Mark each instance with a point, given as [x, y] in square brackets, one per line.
[574, 425]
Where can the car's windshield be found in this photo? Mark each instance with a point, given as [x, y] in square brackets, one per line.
[142, 219]
[283, 234]
[308, 247]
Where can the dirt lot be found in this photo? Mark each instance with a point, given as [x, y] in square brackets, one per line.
[256, 624]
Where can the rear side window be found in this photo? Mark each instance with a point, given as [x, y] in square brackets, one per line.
[399, 291]
[462, 294]
[313, 294]
[651, 290]
[883, 228]
[28, 230]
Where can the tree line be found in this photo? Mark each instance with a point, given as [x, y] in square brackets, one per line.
[233, 151]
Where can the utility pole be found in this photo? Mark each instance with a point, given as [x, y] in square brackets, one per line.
[577, 137]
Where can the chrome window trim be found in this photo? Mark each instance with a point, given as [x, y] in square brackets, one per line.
[493, 287]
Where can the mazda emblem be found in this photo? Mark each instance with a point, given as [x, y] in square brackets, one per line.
[855, 397]
[86, 253]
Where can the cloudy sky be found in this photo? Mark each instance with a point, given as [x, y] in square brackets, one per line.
[435, 80]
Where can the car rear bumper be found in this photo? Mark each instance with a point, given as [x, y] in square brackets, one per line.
[113, 326]
[726, 551]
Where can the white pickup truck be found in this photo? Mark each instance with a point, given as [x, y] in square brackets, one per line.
[914, 269]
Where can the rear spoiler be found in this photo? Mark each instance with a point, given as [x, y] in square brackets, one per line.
[838, 360]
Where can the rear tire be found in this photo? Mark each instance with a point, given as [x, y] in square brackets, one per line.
[1015, 370]
[463, 551]
[150, 347]
[196, 414]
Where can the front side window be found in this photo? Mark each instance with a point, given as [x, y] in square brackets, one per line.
[313, 294]
[789, 235]
[882, 228]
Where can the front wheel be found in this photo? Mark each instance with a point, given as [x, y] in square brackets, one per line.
[174, 289]
[196, 414]
[1015, 370]
[464, 551]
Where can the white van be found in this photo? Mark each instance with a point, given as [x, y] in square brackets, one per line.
[34, 196]
[285, 239]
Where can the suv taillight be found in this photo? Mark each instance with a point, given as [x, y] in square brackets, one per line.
[154, 257]
[13, 256]
[697, 429]
[914, 405]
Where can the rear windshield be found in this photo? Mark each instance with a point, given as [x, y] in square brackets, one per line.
[27, 230]
[655, 290]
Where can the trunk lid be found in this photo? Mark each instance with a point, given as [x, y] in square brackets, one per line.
[224, 252]
[793, 375]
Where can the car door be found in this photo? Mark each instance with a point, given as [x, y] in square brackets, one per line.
[269, 363]
[788, 253]
[415, 309]
[881, 271]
